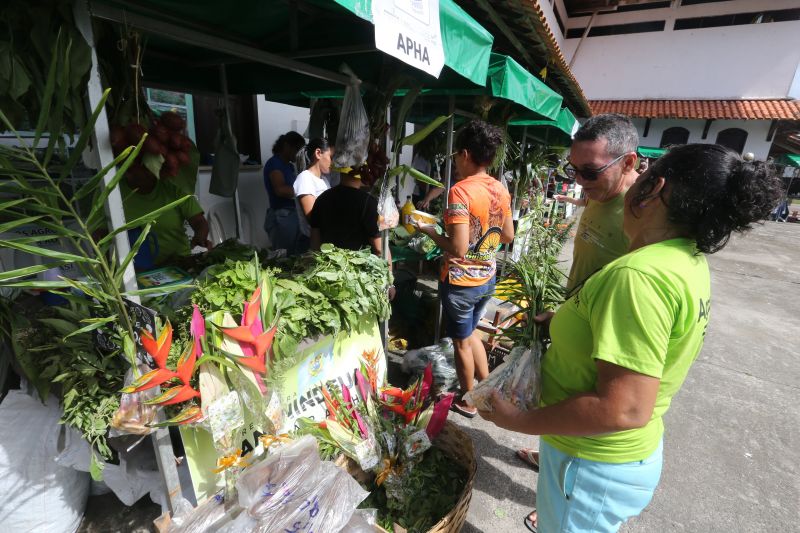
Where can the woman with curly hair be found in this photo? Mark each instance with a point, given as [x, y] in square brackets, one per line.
[623, 343]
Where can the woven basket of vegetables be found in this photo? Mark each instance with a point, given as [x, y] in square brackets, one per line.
[458, 447]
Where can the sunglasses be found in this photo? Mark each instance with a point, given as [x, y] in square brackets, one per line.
[589, 174]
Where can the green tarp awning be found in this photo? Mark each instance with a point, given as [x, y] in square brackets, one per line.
[789, 160]
[328, 34]
[651, 152]
[509, 80]
[506, 79]
[467, 44]
[566, 122]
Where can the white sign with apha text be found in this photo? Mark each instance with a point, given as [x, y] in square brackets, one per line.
[409, 30]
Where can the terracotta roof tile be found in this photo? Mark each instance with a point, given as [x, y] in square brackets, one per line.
[702, 109]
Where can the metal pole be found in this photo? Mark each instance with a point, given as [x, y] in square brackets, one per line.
[448, 168]
[385, 239]
[116, 216]
[223, 81]
[101, 140]
[583, 38]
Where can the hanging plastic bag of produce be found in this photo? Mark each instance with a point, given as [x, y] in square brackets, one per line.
[388, 215]
[518, 379]
[352, 137]
[225, 170]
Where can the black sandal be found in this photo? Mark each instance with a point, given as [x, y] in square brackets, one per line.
[463, 412]
[529, 523]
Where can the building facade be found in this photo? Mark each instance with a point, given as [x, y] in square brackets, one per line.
[717, 71]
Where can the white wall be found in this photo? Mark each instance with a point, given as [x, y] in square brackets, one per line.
[757, 131]
[548, 7]
[753, 61]
[794, 90]
[275, 119]
[730, 62]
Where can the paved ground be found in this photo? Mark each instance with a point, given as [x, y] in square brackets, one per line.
[732, 443]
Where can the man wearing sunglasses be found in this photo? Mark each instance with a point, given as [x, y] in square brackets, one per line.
[603, 162]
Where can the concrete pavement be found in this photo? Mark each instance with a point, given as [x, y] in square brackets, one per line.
[732, 441]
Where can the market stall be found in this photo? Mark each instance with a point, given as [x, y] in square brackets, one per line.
[284, 344]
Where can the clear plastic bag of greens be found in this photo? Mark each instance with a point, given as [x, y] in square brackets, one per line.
[518, 380]
[352, 136]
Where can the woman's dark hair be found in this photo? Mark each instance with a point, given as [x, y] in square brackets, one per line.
[292, 138]
[481, 140]
[313, 145]
[712, 192]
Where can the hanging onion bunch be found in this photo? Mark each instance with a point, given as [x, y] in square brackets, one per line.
[165, 150]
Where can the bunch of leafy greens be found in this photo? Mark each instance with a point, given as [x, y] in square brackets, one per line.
[439, 482]
[318, 294]
[40, 189]
[355, 282]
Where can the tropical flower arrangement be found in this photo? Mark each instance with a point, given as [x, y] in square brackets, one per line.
[387, 431]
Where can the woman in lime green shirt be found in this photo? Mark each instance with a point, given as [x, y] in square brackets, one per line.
[623, 343]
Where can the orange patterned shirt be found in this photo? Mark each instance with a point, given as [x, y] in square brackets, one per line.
[483, 203]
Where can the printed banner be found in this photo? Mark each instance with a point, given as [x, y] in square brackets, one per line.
[330, 358]
[409, 30]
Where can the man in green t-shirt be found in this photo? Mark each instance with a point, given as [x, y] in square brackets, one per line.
[603, 162]
[143, 193]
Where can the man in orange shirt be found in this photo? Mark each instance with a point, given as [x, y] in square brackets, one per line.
[477, 220]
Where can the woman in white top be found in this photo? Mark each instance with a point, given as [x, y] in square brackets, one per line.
[311, 183]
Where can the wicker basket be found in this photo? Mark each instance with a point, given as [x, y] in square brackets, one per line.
[458, 446]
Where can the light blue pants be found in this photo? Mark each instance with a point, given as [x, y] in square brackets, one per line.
[578, 495]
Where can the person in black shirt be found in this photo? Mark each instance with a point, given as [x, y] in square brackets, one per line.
[347, 217]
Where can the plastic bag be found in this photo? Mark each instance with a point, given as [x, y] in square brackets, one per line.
[39, 493]
[362, 521]
[442, 359]
[422, 244]
[133, 415]
[388, 215]
[292, 490]
[207, 517]
[352, 136]
[136, 474]
[518, 379]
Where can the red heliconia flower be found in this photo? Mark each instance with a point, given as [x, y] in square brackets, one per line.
[154, 378]
[158, 348]
[186, 363]
[174, 395]
[252, 339]
[439, 415]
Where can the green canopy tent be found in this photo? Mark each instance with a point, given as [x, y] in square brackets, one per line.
[788, 160]
[281, 48]
[651, 152]
[558, 131]
[505, 79]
